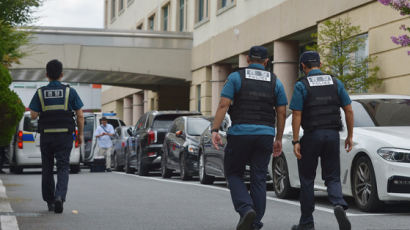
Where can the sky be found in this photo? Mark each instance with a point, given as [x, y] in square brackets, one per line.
[71, 13]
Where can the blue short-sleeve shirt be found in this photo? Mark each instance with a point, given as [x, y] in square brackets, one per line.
[300, 93]
[233, 85]
[74, 101]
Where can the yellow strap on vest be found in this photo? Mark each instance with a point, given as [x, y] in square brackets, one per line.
[54, 107]
[63, 130]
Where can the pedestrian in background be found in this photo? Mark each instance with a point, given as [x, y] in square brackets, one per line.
[54, 104]
[104, 132]
[258, 100]
[316, 102]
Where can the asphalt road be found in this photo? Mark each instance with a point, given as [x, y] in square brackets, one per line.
[119, 201]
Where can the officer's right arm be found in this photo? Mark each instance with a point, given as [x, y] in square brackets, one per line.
[80, 124]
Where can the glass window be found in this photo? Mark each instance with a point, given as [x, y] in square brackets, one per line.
[151, 22]
[200, 10]
[181, 15]
[180, 122]
[139, 27]
[30, 125]
[164, 121]
[113, 8]
[121, 7]
[165, 10]
[386, 112]
[361, 117]
[196, 126]
[198, 92]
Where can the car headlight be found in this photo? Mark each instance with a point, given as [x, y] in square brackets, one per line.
[395, 154]
[192, 148]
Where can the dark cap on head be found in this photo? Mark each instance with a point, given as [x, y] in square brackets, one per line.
[258, 52]
[103, 118]
[311, 57]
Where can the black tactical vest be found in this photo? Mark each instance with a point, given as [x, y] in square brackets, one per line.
[255, 101]
[321, 109]
[55, 116]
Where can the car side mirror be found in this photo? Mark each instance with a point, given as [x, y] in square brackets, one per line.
[178, 133]
[129, 131]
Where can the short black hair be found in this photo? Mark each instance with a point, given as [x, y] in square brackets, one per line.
[311, 64]
[54, 69]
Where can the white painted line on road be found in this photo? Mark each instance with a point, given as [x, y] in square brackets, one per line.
[295, 203]
[6, 222]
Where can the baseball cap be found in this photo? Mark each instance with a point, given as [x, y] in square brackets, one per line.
[258, 52]
[309, 56]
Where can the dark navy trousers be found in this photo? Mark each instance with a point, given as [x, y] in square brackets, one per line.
[256, 151]
[323, 143]
[58, 146]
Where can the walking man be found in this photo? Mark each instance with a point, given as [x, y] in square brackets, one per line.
[258, 99]
[104, 132]
[316, 103]
[54, 104]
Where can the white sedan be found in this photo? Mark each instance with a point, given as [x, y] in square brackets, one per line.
[377, 170]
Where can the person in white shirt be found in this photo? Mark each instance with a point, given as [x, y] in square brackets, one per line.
[104, 132]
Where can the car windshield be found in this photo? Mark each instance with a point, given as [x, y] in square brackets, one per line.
[381, 112]
[196, 126]
[30, 125]
[164, 121]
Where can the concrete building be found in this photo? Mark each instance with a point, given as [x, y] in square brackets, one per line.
[224, 30]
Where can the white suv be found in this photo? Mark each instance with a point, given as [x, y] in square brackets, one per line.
[25, 148]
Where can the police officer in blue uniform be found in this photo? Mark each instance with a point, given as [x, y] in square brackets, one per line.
[316, 103]
[255, 99]
[54, 104]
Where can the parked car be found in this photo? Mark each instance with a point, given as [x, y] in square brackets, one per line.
[145, 143]
[24, 151]
[181, 145]
[91, 122]
[377, 169]
[211, 160]
[119, 142]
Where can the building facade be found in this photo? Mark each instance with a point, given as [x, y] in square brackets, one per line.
[224, 30]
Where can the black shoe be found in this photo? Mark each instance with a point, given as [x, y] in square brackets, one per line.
[340, 213]
[310, 226]
[50, 206]
[58, 204]
[2, 172]
[246, 221]
[108, 170]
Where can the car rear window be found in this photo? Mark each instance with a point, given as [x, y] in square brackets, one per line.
[164, 121]
[196, 126]
[30, 125]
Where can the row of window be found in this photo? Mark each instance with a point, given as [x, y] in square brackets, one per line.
[201, 13]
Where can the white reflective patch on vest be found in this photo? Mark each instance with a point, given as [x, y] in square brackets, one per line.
[320, 80]
[53, 93]
[258, 75]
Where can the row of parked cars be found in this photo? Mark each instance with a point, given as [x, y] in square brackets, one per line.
[376, 171]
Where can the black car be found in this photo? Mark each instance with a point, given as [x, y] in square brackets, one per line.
[211, 160]
[180, 149]
[144, 148]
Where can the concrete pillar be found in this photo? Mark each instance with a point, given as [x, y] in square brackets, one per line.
[243, 61]
[219, 75]
[146, 108]
[285, 64]
[127, 110]
[137, 107]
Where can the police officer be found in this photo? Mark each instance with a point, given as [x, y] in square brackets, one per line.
[54, 104]
[316, 103]
[257, 98]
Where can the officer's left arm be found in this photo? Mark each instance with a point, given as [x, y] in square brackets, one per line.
[34, 106]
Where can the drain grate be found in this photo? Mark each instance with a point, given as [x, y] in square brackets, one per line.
[20, 214]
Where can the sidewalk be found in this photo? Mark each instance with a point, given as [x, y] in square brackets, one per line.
[8, 220]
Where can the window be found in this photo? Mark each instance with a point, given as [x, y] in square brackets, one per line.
[113, 9]
[129, 2]
[151, 22]
[181, 15]
[139, 27]
[224, 5]
[201, 10]
[165, 13]
[121, 6]
[198, 96]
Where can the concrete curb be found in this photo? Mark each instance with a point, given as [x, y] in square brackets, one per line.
[7, 222]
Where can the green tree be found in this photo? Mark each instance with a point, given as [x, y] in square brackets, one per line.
[338, 42]
[13, 13]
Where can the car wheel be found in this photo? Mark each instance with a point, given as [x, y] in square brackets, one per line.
[74, 169]
[142, 168]
[364, 185]
[165, 172]
[127, 167]
[203, 178]
[281, 184]
[183, 169]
